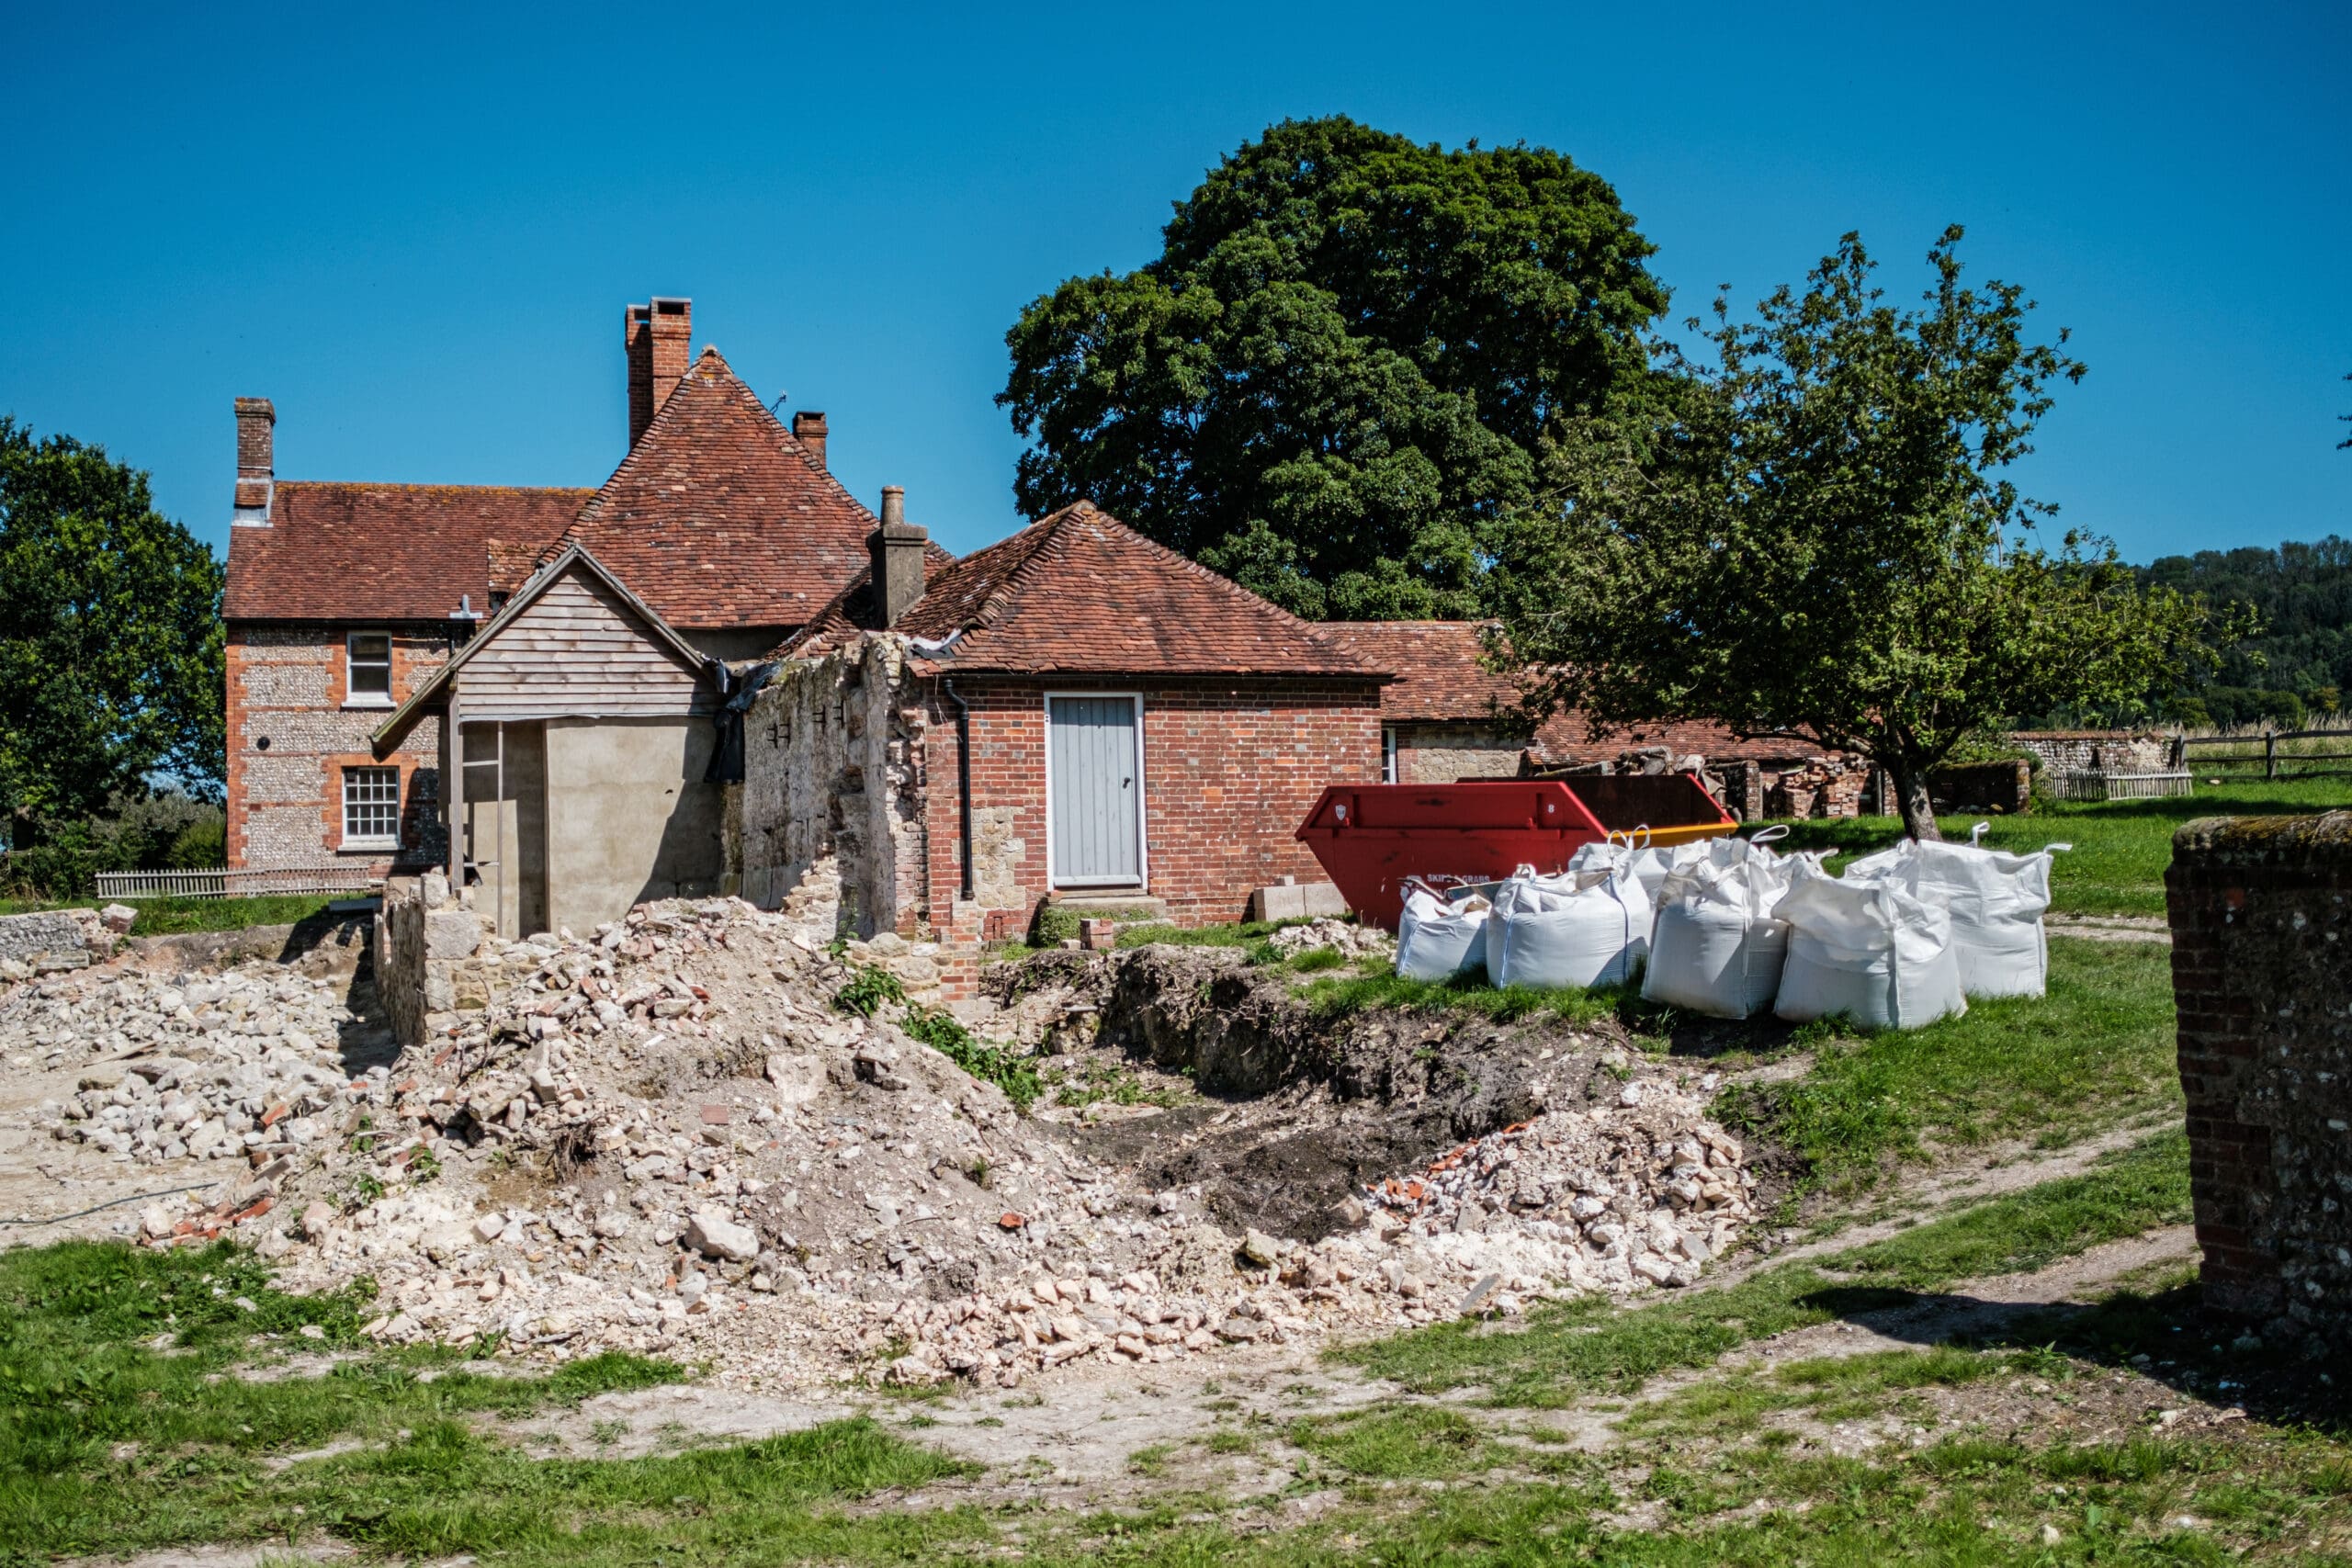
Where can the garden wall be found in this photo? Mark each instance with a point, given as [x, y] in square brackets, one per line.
[2261, 914]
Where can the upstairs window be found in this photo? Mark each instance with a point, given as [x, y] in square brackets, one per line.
[371, 808]
[368, 665]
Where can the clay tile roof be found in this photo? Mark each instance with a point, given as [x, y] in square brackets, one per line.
[717, 517]
[357, 552]
[1081, 592]
[1440, 675]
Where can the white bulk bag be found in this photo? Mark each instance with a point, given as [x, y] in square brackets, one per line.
[1867, 948]
[1585, 928]
[1717, 945]
[1996, 900]
[1437, 940]
[1651, 863]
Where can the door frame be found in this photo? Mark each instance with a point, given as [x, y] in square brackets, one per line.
[1143, 816]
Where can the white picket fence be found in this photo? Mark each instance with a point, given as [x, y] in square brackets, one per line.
[224, 883]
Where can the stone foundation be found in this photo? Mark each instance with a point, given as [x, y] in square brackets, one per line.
[2261, 914]
[428, 955]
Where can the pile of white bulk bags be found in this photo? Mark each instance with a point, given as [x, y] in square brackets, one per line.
[1717, 943]
[1438, 939]
[1583, 927]
[1869, 948]
[1996, 900]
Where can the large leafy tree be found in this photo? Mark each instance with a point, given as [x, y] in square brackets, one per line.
[110, 637]
[1332, 382]
[1817, 538]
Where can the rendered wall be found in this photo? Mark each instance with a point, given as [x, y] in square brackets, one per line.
[628, 815]
[2261, 915]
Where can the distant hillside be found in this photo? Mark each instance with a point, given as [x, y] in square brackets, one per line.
[2300, 665]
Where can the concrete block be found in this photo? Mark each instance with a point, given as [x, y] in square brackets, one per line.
[1322, 900]
[1278, 903]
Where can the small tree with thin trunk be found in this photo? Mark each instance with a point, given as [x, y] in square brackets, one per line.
[1817, 539]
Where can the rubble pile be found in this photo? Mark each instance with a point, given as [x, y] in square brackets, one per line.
[704, 1131]
[246, 1064]
[1344, 937]
[1610, 1199]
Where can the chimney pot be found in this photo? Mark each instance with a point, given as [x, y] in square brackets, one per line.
[257, 461]
[808, 429]
[657, 337]
[897, 549]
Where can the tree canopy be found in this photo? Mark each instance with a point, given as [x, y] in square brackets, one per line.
[1331, 383]
[110, 635]
[1816, 537]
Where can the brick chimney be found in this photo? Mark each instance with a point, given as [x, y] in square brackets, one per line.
[895, 549]
[257, 461]
[808, 429]
[657, 337]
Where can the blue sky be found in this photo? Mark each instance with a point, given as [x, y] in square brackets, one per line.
[415, 230]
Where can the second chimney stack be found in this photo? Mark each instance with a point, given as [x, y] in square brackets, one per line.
[897, 549]
[808, 429]
[658, 336]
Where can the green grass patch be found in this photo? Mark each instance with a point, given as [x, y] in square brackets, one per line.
[2121, 847]
[1334, 996]
[1586, 1345]
[2096, 1049]
[168, 916]
[139, 1409]
[1411, 1441]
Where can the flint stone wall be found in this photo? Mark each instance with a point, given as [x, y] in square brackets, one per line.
[2261, 915]
[52, 938]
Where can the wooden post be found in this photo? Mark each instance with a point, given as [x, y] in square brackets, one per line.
[2269, 753]
[453, 794]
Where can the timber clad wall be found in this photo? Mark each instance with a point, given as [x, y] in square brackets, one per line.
[578, 649]
[287, 685]
[2261, 915]
[1230, 768]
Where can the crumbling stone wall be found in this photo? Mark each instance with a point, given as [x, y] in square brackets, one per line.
[833, 769]
[50, 940]
[2098, 750]
[429, 959]
[2261, 915]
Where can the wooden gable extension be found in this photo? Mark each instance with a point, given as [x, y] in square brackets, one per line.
[579, 650]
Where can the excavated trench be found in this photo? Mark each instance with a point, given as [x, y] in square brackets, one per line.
[1293, 1110]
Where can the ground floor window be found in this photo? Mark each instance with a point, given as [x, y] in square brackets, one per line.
[1387, 754]
[371, 808]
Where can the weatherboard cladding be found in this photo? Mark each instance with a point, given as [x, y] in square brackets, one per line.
[578, 649]
[719, 517]
[356, 553]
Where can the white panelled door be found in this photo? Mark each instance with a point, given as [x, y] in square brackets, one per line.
[1094, 790]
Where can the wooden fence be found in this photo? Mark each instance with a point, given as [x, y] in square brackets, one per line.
[2088, 783]
[2267, 754]
[224, 883]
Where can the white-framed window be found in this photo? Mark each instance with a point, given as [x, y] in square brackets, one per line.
[371, 808]
[1387, 754]
[367, 670]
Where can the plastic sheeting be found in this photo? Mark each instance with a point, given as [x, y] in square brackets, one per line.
[1437, 940]
[1717, 943]
[1583, 927]
[1867, 948]
[1996, 900]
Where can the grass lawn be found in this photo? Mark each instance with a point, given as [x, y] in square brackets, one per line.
[165, 917]
[2121, 847]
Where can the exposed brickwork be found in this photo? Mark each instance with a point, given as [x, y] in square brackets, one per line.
[1230, 770]
[2261, 916]
[285, 804]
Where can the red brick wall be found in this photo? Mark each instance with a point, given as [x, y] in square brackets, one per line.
[288, 684]
[1230, 769]
[2261, 917]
